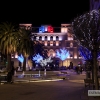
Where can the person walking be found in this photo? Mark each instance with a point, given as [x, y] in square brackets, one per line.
[10, 75]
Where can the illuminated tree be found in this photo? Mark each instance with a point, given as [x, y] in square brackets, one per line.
[63, 54]
[21, 58]
[45, 61]
[86, 30]
[85, 53]
[37, 58]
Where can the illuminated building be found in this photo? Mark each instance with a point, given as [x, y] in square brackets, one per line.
[55, 38]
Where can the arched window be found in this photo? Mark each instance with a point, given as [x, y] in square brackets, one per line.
[45, 37]
[40, 38]
[51, 53]
[57, 38]
[51, 38]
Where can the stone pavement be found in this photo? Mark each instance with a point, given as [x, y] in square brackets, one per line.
[68, 89]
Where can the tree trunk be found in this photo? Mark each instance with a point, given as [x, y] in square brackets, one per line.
[8, 62]
[24, 64]
[92, 68]
[96, 82]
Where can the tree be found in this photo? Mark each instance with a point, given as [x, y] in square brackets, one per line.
[63, 54]
[86, 30]
[37, 58]
[8, 40]
[25, 45]
[43, 62]
[87, 55]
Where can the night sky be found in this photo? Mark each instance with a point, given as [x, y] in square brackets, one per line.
[40, 13]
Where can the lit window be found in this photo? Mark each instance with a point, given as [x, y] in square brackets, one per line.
[70, 38]
[71, 45]
[63, 30]
[57, 43]
[45, 43]
[51, 43]
[79, 55]
[75, 56]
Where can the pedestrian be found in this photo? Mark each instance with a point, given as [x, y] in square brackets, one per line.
[10, 75]
[81, 69]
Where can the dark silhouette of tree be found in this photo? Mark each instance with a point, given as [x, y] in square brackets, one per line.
[25, 45]
[8, 40]
[86, 29]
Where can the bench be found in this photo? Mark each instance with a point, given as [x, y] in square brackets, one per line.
[89, 83]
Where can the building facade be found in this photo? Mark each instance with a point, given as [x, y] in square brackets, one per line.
[56, 38]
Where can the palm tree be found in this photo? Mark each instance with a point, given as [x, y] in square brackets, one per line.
[8, 40]
[26, 45]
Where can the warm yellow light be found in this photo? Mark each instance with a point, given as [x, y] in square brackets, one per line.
[75, 56]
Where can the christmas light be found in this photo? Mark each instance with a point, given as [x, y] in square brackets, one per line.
[21, 58]
[62, 54]
[86, 29]
[45, 61]
[37, 58]
[86, 54]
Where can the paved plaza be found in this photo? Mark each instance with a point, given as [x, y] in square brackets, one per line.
[71, 88]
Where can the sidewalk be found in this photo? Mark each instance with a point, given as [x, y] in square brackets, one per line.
[69, 89]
